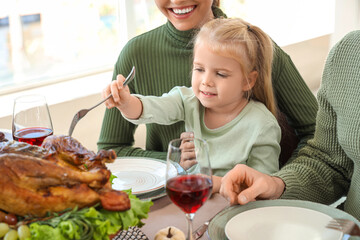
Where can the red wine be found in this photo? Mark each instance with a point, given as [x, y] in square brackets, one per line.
[33, 135]
[189, 192]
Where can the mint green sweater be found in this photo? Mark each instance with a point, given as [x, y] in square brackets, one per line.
[251, 138]
[163, 59]
[329, 166]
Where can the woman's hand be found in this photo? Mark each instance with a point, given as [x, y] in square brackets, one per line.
[243, 184]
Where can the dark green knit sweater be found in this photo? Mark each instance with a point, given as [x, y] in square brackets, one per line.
[163, 59]
[329, 166]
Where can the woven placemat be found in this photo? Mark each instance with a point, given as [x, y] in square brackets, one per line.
[131, 233]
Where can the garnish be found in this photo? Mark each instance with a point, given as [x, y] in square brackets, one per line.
[90, 223]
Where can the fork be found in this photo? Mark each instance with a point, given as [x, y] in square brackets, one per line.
[80, 114]
[348, 227]
[199, 232]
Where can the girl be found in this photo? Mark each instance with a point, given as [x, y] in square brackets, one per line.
[231, 103]
[163, 58]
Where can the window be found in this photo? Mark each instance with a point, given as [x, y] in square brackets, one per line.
[44, 41]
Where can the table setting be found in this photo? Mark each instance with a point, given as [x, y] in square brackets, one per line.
[177, 192]
[145, 176]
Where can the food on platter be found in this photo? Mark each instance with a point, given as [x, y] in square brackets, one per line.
[61, 190]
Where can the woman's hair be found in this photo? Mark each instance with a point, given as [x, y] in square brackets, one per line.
[251, 47]
[216, 3]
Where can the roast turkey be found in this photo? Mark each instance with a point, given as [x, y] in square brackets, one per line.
[59, 175]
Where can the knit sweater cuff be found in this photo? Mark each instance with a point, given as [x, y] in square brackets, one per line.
[292, 185]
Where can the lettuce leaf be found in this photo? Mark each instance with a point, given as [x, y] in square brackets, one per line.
[91, 223]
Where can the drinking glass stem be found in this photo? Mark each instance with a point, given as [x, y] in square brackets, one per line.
[190, 217]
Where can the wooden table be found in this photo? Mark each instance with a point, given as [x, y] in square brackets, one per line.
[164, 213]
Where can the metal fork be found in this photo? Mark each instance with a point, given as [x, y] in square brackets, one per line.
[348, 227]
[199, 232]
[80, 114]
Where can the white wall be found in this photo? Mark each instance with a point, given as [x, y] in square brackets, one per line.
[347, 18]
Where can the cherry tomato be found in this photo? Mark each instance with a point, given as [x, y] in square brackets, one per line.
[10, 219]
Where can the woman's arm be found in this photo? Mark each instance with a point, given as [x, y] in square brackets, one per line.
[294, 97]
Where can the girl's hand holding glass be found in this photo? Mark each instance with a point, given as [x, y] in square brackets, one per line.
[188, 186]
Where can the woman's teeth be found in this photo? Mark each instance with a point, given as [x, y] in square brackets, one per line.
[183, 10]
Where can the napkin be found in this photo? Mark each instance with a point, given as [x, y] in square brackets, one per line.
[131, 233]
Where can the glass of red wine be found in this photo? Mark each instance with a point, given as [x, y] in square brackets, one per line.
[31, 122]
[188, 176]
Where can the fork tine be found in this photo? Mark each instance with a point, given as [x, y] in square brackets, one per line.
[345, 226]
[334, 225]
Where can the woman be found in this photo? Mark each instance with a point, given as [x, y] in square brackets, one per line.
[329, 166]
[163, 59]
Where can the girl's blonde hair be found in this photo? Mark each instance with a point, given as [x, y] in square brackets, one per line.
[251, 47]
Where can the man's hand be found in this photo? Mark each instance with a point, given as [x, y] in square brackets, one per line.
[243, 184]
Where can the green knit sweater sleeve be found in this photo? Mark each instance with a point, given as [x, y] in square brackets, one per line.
[323, 170]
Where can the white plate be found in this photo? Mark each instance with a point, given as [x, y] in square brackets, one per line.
[142, 175]
[280, 223]
[8, 134]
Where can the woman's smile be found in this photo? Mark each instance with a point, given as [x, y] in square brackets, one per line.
[183, 11]
[186, 15]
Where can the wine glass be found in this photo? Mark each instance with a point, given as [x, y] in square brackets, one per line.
[188, 176]
[31, 122]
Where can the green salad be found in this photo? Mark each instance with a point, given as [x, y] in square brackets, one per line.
[90, 223]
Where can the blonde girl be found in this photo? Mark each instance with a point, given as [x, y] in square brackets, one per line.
[230, 104]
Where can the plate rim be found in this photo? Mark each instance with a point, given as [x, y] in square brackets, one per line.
[141, 158]
[8, 133]
[283, 208]
[215, 227]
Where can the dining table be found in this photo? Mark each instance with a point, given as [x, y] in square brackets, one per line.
[163, 213]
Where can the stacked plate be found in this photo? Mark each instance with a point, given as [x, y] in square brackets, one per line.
[8, 134]
[146, 177]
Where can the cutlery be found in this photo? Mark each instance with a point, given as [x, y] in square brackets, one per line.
[348, 227]
[197, 234]
[80, 114]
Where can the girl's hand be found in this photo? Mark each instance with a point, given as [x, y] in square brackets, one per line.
[188, 154]
[120, 94]
[129, 105]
